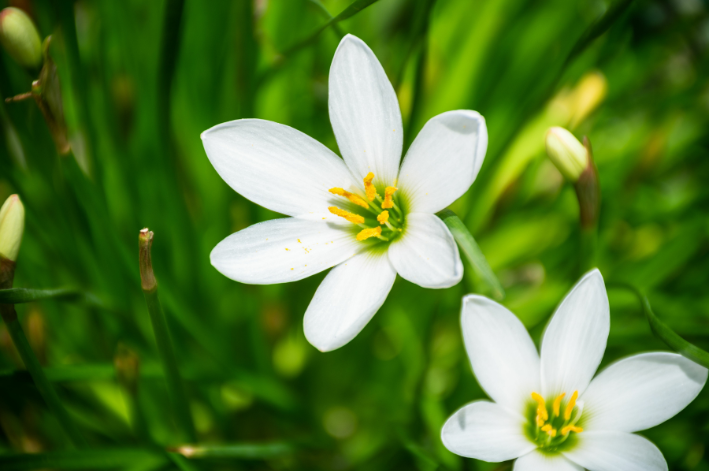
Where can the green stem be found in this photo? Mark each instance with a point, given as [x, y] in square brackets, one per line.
[472, 252]
[176, 388]
[237, 450]
[178, 395]
[663, 331]
[34, 368]
[589, 241]
[44, 387]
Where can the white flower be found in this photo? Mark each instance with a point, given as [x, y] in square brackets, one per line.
[363, 215]
[548, 413]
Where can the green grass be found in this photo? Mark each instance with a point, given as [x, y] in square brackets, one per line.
[141, 80]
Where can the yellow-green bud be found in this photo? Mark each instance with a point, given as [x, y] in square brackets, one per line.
[20, 38]
[567, 153]
[12, 224]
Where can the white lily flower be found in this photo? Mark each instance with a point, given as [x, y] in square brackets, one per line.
[548, 412]
[363, 215]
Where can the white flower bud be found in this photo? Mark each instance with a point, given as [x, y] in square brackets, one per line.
[567, 153]
[20, 38]
[12, 224]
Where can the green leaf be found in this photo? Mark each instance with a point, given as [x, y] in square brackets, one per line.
[111, 458]
[252, 451]
[354, 8]
[23, 295]
[471, 250]
[664, 332]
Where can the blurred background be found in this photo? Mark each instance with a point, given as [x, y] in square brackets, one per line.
[140, 81]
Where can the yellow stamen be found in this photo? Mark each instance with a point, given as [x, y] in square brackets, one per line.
[550, 431]
[383, 217]
[570, 406]
[557, 404]
[367, 233]
[351, 217]
[388, 193]
[571, 428]
[352, 197]
[369, 188]
[542, 414]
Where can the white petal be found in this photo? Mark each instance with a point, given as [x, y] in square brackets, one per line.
[282, 250]
[347, 299]
[364, 112]
[276, 166]
[504, 358]
[443, 161]
[641, 391]
[538, 461]
[426, 253]
[485, 431]
[616, 451]
[575, 339]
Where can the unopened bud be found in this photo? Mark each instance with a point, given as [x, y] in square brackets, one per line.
[20, 38]
[567, 153]
[12, 224]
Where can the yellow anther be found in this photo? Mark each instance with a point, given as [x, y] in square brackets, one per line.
[549, 430]
[367, 233]
[541, 409]
[383, 217]
[352, 197]
[369, 187]
[571, 428]
[557, 404]
[570, 406]
[388, 193]
[351, 217]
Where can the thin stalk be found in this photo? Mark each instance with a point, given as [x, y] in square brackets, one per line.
[472, 252]
[45, 388]
[663, 331]
[176, 388]
[588, 193]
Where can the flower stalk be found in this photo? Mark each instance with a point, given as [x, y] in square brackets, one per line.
[176, 388]
[11, 229]
[588, 193]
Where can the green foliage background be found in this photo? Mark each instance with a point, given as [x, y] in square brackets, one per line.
[139, 87]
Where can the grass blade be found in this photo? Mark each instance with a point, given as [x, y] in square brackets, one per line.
[253, 451]
[664, 332]
[79, 460]
[472, 252]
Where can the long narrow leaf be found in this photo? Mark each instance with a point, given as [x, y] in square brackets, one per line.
[664, 332]
[79, 460]
[354, 8]
[466, 242]
[237, 450]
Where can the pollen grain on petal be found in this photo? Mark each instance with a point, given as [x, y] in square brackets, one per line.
[369, 188]
[388, 194]
[383, 217]
[371, 232]
[351, 217]
[570, 406]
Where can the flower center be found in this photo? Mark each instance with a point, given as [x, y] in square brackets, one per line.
[382, 219]
[552, 426]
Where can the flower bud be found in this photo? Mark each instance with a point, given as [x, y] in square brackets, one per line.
[567, 153]
[12, 224]
[20, 38]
